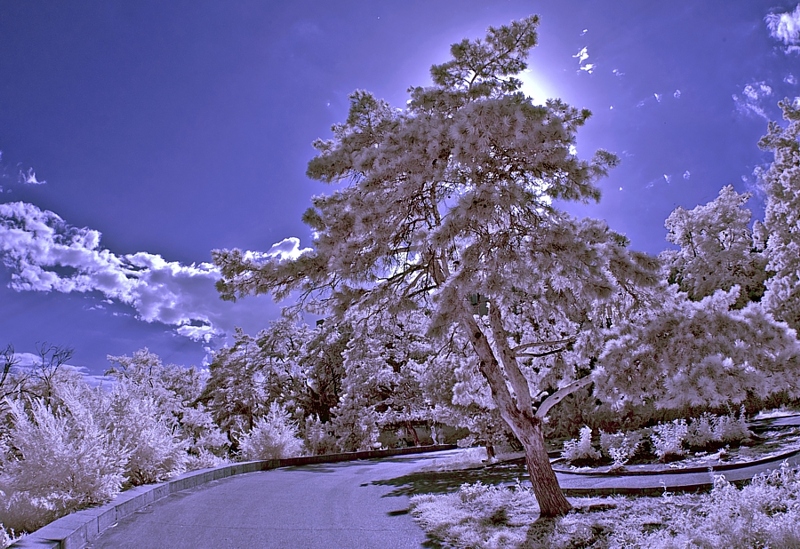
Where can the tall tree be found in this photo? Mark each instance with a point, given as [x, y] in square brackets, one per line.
[452, 198]
[782, 216]
[716, 249]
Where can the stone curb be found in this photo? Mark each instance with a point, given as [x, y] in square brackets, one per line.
[677, 471]
[78, 529]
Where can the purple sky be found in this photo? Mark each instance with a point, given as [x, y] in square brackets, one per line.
[138, 136]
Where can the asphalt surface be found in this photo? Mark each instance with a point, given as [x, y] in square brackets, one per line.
[358, 504]
[339, 505]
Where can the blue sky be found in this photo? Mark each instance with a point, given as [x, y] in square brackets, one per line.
[138, 136]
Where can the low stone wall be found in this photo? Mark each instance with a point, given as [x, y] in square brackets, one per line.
[78, 529]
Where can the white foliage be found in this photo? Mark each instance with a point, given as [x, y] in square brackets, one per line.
[668, 438]
[59, 462]
[699, 354]
[273, 436]
[581, 449]
[620, 447]
[716, 249]
[782, 217]
[135, 423]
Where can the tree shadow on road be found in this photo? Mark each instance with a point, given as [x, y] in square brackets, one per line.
[439, 482]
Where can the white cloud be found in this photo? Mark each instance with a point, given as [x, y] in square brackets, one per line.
[751, 100]
[29, 178]
[28, 361]
[618, 72]
[46, 254]
[584, 31]
[757, 90]
[785, 27]
[658, 96]
[288, 248]
[790, 79]
[686, 175]
[582, 55]
[677, 94]
[668, 178]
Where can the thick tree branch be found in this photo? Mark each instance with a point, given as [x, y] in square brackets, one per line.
[518, 381]
[532, 344]
[561, 394]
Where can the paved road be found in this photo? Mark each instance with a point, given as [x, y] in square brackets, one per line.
[360, 504]
[326, 506]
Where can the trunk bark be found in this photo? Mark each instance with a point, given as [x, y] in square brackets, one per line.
[552, 502]
[413, 432]
[523, 423]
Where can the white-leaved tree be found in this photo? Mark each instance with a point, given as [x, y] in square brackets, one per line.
[782, 216]
[699, 354]
[452, 198]
[716, 249]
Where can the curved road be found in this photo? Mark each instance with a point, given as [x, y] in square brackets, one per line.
[332, 505]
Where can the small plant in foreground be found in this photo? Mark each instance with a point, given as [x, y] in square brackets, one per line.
[668, 439]
[580, 450]
[620, 447]
[6, 537]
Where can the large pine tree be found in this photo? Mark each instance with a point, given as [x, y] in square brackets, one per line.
[451, 201]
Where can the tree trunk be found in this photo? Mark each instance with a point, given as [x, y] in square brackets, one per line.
[413, 432]
[552, 502]
[523, 423]
[489, 451]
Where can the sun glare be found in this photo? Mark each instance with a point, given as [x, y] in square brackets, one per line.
[535, 87]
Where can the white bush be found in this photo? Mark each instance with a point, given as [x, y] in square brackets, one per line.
[273, 436]
[57, 463]
[581, 449]
[620, 447]
[732, 430]
[709, 429]
[319, 439]
[134, 422]
[668, 439]
[6, 537]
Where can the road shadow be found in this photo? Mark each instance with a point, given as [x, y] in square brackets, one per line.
[441, 482]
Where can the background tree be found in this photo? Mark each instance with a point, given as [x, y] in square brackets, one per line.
[383, 362]
[716, 249]
[170, 393]
[454, 197]
[699, 354]
[782, 216]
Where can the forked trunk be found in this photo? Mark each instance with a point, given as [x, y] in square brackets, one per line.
[549, 496]
[522, 421]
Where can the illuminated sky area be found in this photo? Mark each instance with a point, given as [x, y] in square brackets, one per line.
[136, 137]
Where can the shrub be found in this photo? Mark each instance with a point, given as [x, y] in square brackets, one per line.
[134, 422]
[709, 431]
[620, 447]
[318, 439]
[668, 439]
[580, 450]
[273, 436]
[732, 430]
[58, 462]
[6, 537]
[477, 516]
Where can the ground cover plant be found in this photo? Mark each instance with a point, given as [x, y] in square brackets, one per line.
[763, 514]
